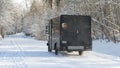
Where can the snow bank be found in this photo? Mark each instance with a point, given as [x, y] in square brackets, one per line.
[102, 46]
[18, 35]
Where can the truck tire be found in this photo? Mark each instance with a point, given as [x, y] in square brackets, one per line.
[56, 49]
[80, 52]
[49, 49]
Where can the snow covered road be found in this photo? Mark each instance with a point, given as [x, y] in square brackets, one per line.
[21, 52]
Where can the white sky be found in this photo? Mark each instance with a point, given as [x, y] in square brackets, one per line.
[18, 1]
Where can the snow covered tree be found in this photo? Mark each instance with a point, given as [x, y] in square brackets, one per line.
[31, 16]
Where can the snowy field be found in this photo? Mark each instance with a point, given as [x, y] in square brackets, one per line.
[19, 51]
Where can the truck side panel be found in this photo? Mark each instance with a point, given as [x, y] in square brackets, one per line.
[55, 32]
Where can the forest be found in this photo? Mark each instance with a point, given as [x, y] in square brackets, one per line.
[31, 16]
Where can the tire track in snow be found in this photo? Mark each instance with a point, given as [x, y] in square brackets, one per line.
[7, 57]
[21, 63]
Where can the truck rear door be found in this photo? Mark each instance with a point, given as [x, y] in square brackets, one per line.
[75, 31]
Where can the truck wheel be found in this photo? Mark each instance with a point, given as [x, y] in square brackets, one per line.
[56, 49]
[80, 52]
[49, 49]
[47, 44]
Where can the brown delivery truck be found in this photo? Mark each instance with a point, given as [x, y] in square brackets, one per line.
[69, 33]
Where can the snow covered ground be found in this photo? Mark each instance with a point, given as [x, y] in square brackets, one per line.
[110, 48]
[19, 51]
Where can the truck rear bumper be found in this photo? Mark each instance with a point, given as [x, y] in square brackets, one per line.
[75, 48]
